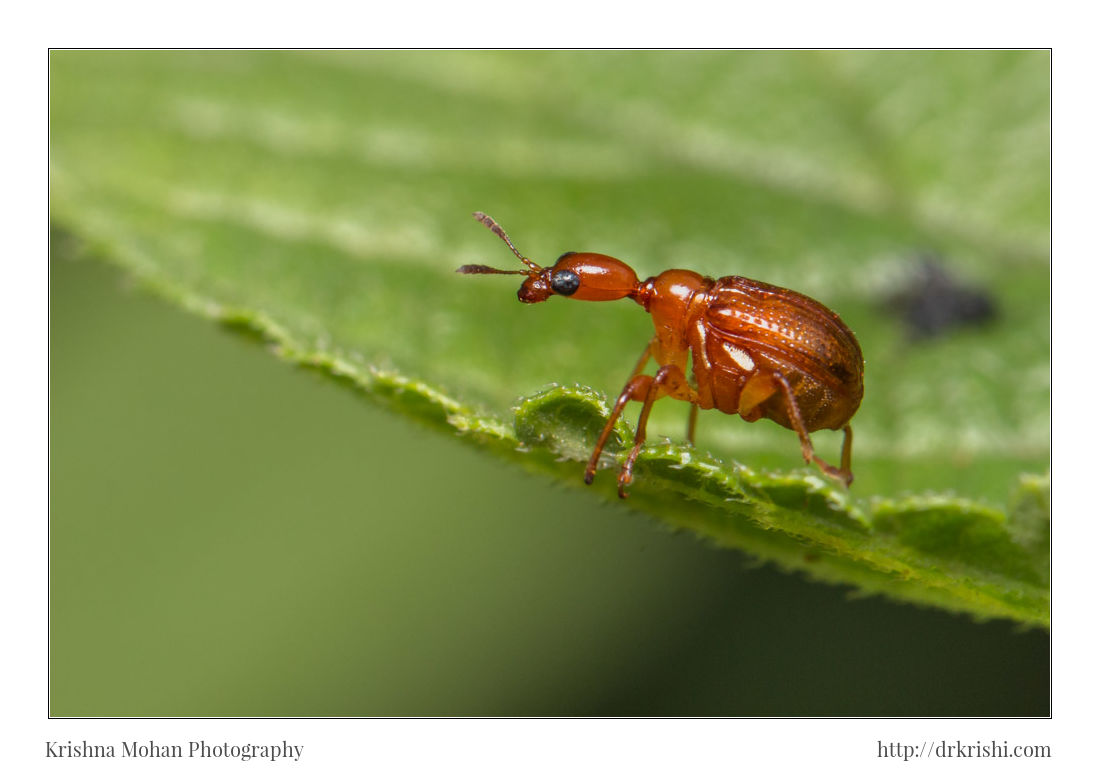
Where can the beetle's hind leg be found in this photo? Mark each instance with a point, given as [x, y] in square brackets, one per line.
[846, 453]
[844, 472]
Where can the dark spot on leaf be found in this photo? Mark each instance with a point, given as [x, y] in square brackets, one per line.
[933, 303]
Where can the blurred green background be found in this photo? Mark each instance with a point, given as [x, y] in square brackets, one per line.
[226, 539]
[230, 536]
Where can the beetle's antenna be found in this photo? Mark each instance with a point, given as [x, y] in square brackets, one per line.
[481, 269]
[499, 232]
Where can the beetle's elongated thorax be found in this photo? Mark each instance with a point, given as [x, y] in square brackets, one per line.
[675, 299]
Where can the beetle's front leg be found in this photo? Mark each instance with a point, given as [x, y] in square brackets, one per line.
[634, 389]
[669, 380]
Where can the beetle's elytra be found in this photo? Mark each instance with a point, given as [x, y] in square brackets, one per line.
[757, 350]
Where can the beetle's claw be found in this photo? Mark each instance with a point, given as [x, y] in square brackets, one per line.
[839, 475]
[625, 479]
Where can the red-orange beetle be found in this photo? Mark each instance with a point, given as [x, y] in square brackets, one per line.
[758, 351]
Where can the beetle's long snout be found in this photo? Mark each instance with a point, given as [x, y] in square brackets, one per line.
[535, 289]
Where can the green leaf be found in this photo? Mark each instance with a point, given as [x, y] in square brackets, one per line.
[321, 203]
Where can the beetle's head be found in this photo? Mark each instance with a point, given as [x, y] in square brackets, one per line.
[586, 276]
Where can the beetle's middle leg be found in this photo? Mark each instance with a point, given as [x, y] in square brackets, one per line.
[693, 416]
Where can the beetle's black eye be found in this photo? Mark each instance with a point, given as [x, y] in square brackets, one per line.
[565, 282]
